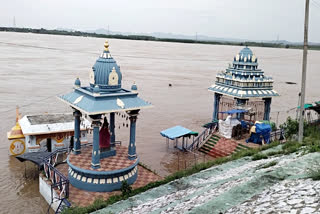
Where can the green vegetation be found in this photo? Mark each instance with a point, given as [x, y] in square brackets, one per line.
[311, 143]
[314, 174]
[267, 165]
[152, 38]
[126, 189]
[259, 156]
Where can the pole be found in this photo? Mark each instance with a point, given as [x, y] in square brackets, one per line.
[304, 71]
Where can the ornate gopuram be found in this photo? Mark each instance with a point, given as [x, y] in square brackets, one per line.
[243, 80]
[103, 166]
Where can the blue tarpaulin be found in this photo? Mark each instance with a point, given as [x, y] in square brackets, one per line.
[234, 111]
[175, 132]
[262, 130]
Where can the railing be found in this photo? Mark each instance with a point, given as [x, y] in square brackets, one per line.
[58, 180]
[277, 135]
[202, 138]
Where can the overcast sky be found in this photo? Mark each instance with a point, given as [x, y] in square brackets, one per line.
[242, 19]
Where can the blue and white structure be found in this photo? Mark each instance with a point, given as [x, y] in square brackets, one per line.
[243, 80]
[104, 95]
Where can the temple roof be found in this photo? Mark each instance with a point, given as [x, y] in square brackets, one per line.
[91, 104]
[243, 79]
[50, 124]
[104, 95]
[105, 72]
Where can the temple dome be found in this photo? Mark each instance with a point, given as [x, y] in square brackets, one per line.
[77, 83]
[105, 72]
[134, 87]
[246, 55]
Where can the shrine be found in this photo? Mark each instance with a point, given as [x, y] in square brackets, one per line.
[243, 80]
[104, 166]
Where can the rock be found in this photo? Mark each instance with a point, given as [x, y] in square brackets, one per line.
[294, 201]
[307, 210]
[293, 211]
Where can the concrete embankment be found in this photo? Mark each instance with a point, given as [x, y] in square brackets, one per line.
[277, 184]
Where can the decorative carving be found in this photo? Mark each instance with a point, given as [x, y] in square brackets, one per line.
[113, 77]
[91, 77]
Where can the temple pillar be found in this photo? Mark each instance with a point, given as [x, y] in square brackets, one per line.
[112, 129]
[95, 163]
[216, 102]
[77, 142]
[132, 143]
[267, 108]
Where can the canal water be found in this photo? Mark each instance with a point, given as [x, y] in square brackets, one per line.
[35, 68]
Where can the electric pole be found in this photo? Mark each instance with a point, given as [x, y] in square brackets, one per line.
[304, 72]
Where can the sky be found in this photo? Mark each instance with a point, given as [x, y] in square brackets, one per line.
[245, 19]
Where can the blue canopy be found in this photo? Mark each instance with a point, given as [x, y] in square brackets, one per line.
[234, 111]
[175, 132]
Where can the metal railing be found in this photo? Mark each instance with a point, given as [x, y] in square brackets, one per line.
[58, 180]
[202, 138]
[277, 135]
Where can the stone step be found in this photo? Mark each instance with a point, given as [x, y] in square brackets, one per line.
[212, 142]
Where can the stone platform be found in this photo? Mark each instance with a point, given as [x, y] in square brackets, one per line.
[112, 172]
[79, 197]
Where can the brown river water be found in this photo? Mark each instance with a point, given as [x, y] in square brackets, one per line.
[35, 68]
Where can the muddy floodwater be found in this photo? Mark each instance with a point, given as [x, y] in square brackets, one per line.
[36, 68]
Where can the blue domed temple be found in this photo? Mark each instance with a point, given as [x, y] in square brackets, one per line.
[104, 166]
[243, 80]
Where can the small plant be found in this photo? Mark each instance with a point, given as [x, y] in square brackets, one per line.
[126, 189]
[314, 174]
[270, 164]
[259, 156]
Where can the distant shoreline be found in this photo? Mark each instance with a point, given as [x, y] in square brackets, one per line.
[152, 38]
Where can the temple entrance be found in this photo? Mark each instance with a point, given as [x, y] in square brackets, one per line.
[49, 144]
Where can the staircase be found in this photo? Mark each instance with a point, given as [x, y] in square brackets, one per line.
[221, 147]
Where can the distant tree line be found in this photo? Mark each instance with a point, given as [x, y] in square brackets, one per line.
[152, 38]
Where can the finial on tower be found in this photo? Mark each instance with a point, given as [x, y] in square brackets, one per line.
[17, 114]
[106, 45]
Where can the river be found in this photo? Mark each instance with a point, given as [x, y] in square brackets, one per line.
[35, 68]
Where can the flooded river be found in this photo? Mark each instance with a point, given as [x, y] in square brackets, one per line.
[36, 68]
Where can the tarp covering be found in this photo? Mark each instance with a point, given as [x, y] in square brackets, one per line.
[225, 127]
[262, 131]
[234, 111]
[175, 132]
[34, 157]
[307, 105]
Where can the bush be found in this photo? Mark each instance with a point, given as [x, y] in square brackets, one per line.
[290, 127]
[126, 189]
[259, 156]
[314, 174]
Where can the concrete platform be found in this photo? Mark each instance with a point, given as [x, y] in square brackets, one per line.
[79, 197]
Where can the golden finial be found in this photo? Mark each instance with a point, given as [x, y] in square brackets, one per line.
[17, 114]
[106, 46]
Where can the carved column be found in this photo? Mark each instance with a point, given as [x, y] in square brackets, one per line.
[112, 128]
[216, 102]
[77, 143]
[132, 143]
[267, 108]
[95, 163]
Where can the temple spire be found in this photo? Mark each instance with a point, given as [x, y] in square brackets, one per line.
[106, 45]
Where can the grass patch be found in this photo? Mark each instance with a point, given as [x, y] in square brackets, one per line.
[259, 156]
[314, 174]
[270, 164]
